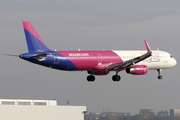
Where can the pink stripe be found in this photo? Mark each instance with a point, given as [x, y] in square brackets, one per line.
[29, 27]
[93, 58]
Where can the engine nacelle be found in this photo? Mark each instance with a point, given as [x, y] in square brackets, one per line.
[98, 72]
[137, 70]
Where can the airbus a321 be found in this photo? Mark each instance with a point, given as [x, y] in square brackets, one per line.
[95, 62]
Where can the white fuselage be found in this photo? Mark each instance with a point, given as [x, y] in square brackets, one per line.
[158, 60]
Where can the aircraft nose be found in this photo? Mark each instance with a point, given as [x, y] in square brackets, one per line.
[175, 62]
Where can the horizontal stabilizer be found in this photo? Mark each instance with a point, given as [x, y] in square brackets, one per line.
[37, 56]
[12, 55]
[40, 57]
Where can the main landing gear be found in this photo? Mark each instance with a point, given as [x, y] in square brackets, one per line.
[159, 74]
[90, 78]
[116, 78]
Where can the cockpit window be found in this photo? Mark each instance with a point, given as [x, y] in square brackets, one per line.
[171, 56]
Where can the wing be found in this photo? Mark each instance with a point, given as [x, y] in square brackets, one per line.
[128, 63]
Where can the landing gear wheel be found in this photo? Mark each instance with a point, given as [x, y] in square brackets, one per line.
[90, 78]
[160, 77]
[116, 78]
[159, 74]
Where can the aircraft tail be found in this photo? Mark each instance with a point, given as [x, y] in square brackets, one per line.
[34, 41]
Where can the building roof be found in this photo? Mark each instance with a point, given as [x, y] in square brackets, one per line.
[28, 102]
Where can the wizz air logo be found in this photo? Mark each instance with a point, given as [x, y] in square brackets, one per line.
[78, 54]
[154, 58]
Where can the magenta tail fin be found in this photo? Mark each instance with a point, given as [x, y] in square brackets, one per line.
[34, 41]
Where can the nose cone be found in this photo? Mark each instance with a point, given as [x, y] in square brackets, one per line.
[174, 62]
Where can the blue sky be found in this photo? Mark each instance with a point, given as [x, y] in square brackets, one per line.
[91, 25]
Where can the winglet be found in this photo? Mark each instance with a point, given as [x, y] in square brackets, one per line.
[147, 46]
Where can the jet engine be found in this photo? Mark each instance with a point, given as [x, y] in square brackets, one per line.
[137, 70]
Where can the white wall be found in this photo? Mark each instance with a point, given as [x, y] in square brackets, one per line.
[18, 112]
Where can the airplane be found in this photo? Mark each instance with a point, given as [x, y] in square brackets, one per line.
[135, 62]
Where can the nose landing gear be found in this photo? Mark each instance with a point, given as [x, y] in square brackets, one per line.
[159, 74]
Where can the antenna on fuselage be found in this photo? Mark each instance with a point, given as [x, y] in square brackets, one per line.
[79, 49]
